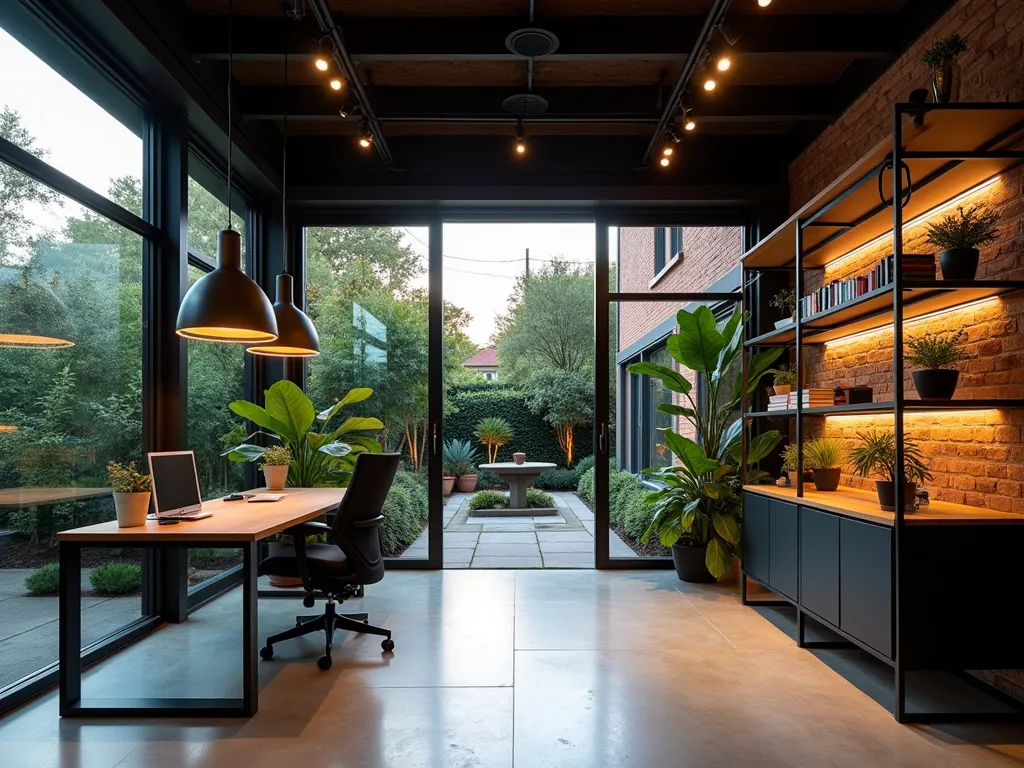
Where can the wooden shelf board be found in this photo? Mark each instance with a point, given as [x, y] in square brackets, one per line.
[965, 404]
[874, 310]
[951, 130]
[863, 505]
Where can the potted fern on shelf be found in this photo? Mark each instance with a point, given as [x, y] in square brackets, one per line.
[936, 355]
[876, 455]
[784, 379]
[825, 456]
[959, 235]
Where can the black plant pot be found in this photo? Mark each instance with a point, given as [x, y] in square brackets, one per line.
[932, 384]
[959, 263]
[827, 479]
[691, 564]
[887, 495]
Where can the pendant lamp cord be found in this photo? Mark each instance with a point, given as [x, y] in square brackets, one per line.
[230, 66]
[284, 175]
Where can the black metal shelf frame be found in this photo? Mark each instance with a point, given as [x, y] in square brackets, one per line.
[902, 187]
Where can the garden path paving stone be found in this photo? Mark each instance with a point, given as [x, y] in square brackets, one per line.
[566, 546]
[493, 537]
[507, 550]
[507, 562]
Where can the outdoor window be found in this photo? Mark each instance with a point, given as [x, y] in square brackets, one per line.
[643, 421]
[675, 241]
[659, 249]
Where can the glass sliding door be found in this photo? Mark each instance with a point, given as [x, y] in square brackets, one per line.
[368, 295]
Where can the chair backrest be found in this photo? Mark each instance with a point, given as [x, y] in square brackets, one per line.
[356, 524]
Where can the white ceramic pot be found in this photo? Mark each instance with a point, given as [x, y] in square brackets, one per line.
[276, 477]
[131, 508]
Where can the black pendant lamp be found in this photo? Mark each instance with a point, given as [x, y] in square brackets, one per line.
[226, 305]
[296, 336]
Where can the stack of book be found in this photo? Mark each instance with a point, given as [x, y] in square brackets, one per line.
[916, 266]
[814, 397]
[778, 402]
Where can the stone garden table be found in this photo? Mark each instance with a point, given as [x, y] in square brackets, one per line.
[519, 477]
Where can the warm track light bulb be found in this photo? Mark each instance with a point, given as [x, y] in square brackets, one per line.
[764, 3]
[667, 150]
[690, 124]
[724, 63]
[709, 84]
[365, 141]
[520, 147]
[336, 84]
[664, 162]
[321, 63]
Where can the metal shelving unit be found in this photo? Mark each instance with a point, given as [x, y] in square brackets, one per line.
[942, 153]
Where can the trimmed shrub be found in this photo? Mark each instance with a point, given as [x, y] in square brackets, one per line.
[44, 580]
[584, 464]
[558, 480]
[538, 499]
[489, 500]
[617, 483]
[401, 523]
[415, 484]
[585, 488]
[635, 512]
[485, 480]
[116, 578]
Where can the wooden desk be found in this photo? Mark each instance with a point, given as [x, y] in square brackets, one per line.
[29, 497]
[233, 524]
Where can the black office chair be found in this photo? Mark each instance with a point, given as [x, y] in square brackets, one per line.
[339, 571]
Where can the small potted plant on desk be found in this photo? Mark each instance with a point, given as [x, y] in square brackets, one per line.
[785, 379]
[131, 494]
[959, 235]
[274, 464]
[942, 58]
[877, 455]
[825, 455]
[785, 302]
[936, 356]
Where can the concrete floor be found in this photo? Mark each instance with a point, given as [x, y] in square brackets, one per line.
[565, 540]
[536, 669]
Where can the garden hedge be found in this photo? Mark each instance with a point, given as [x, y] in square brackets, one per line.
[405, 511]
[530, 433]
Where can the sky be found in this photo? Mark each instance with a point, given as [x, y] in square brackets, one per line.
[481, 262]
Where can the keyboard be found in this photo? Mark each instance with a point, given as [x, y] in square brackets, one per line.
[190, 516]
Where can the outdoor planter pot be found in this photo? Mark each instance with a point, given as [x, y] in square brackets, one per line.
[887, 495]
[959, 263]
[936, 384]
[519, 458]
[466, 483]
[131, 508]
[276, 477]
[827, 479]
[447, 484]
[691, 564]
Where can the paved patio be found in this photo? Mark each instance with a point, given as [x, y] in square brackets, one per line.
[565, 540]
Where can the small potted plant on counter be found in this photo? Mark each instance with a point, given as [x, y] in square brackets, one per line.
[936, 355]
[785, 302]
[785, 379]
[942, 58]
[131, 494]
[789, 458]
[959, 235]
[825, 456]
[274, 463]
[877, 455]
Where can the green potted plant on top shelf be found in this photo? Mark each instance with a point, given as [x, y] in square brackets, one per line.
[785, 302]
[697, 512]
[959, 235]
[936, 355]
[942, 58]
[784, 379]
[877, 455]
[825, 456]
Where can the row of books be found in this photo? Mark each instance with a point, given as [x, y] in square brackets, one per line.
[813, 397]
[916, 266]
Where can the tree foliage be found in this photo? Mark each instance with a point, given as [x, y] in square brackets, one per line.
[565, 399]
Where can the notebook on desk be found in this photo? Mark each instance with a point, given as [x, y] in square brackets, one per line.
[264, 496]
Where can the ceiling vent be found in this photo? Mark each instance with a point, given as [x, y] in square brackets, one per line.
[525, 104]
[532, 43]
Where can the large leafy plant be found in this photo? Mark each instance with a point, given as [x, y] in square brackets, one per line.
[700, 503]
[321, 454]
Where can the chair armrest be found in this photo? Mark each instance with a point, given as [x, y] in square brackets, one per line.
[370, 523]
[311, 528]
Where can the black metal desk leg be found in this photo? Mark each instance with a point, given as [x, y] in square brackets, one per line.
[70, 626]
[250, 630]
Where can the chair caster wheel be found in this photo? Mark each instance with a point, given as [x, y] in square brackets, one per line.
[324, 662]
[309, 601]
[366, 621]
[388, 645]
[267, 653]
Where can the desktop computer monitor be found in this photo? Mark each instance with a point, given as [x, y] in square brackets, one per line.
[175, 483]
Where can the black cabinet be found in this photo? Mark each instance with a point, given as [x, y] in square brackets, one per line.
[865, 583]
[784, 537]
[756, 536]
[819, 563]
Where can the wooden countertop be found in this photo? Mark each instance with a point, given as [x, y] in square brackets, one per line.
[240, 521]
[28, 497]
[863, 505]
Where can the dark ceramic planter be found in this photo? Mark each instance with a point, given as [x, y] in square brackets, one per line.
[936, 384]
[959, 263]
[946, 83]
[887, 495]
[690, 563]
[827, 479]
